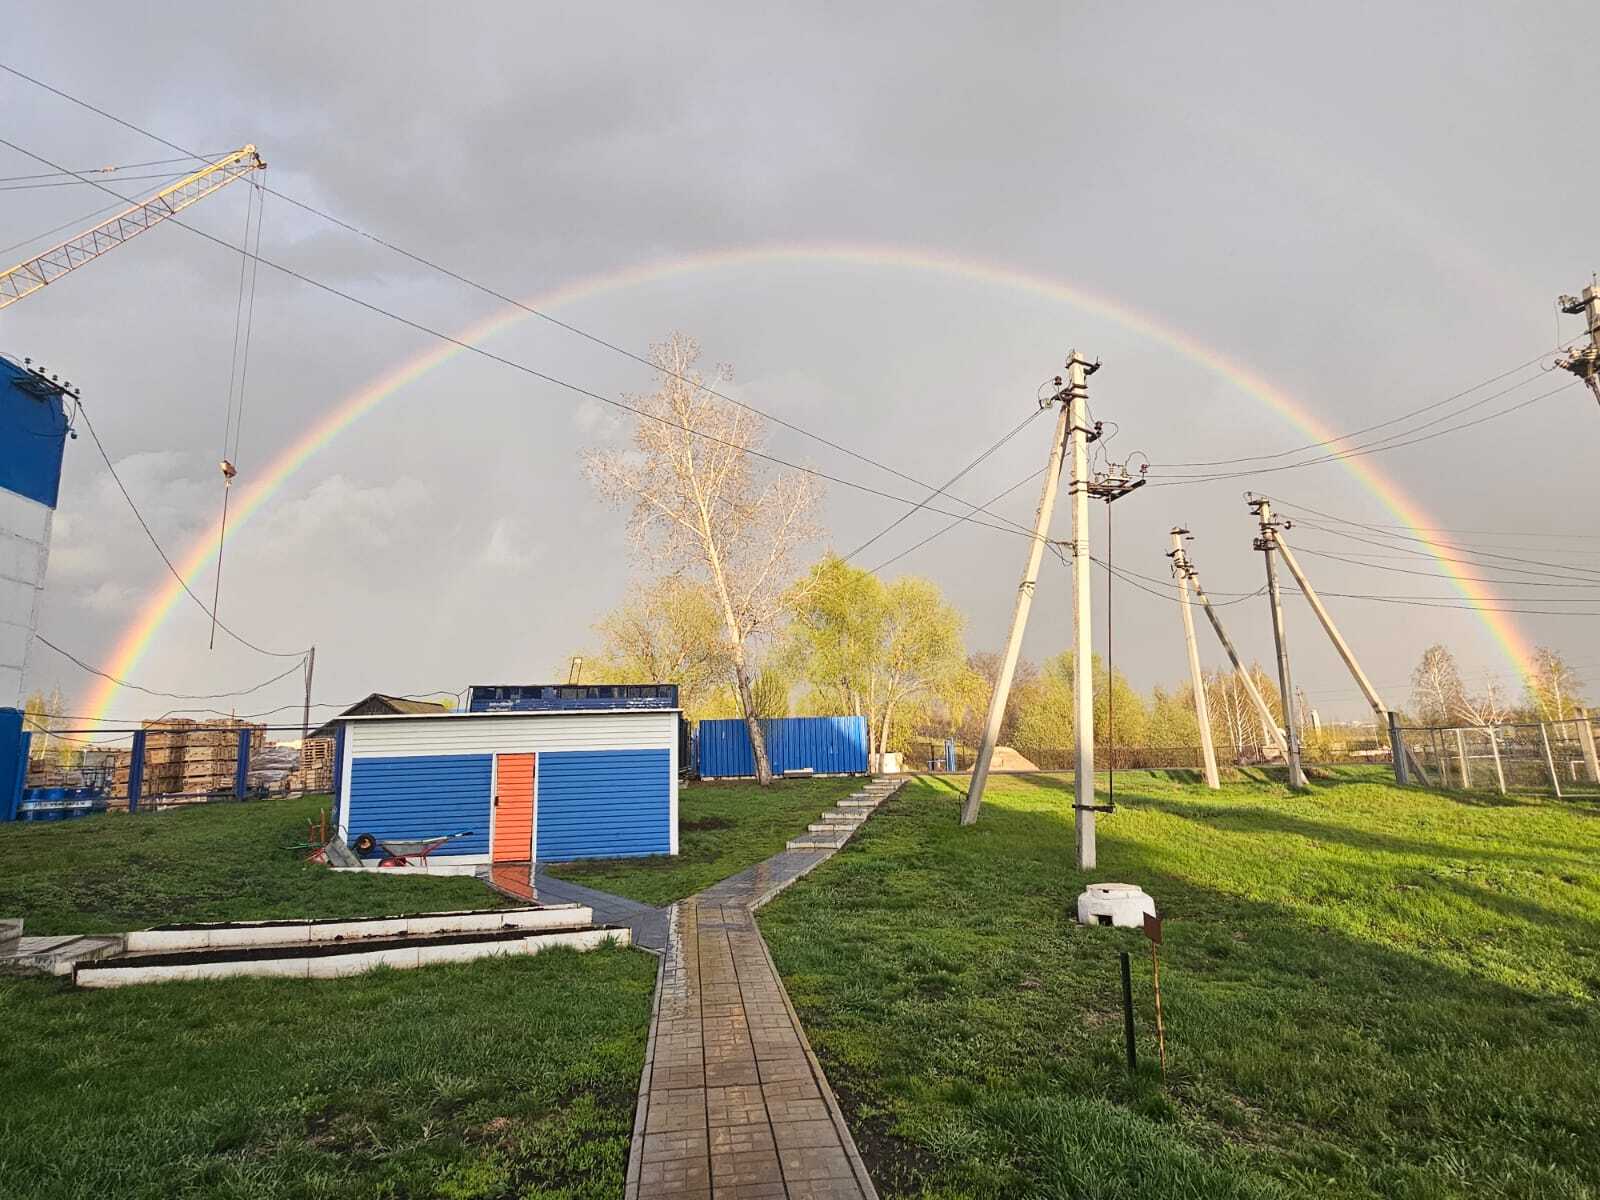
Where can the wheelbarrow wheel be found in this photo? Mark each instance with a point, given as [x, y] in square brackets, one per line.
[364, 844]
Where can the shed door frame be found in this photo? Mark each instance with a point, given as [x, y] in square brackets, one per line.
[495, 849]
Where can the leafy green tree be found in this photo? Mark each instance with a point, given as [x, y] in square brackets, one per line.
[878, 649]
[670, 632]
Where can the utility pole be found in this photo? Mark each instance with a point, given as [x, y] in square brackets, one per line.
[1268, 721]
[1019, 614]
[1267, 543]
[1585, 363]
[1386, 724]
[1202, 713]
[1083, 805]
[305, 713]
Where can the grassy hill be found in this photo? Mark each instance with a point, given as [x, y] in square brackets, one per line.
[1367, 992]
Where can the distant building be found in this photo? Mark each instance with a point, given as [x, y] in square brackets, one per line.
[379, 705]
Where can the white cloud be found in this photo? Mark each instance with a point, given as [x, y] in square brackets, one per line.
[505, 549]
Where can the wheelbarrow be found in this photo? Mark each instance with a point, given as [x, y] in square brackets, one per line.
[404, 852]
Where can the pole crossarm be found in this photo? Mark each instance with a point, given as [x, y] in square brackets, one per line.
[41, 270]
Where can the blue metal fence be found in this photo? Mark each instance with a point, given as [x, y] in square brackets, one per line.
[826, 745]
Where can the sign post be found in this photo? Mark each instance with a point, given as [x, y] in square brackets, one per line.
[1152, 930]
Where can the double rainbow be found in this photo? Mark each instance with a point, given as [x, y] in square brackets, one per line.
[136, 638]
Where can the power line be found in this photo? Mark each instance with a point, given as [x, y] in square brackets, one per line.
[93, 670]
[1407, 537]
[938, 533]
[566, 385]
[478, 286]
[1447, 578]
[1224, 462]
[1557, 570]
[154, 541]
[940, 490]
[1362, 451]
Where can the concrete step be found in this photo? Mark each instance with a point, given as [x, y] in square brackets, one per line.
[832, 827]
[866, 804]
[845, 814]
[819, 841]
[57, 955]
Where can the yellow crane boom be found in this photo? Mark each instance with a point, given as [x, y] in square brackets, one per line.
[32, 274]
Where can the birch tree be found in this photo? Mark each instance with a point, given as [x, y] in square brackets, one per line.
[702, 504]
[1554, 689]
[1437, 693]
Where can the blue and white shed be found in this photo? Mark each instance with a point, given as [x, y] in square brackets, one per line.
[545, 786]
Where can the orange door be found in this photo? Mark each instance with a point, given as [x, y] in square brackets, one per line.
[513, 808]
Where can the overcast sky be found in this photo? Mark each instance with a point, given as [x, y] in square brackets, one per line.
[1372, 207]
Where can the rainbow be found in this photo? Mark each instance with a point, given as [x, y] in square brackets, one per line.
[135, 640]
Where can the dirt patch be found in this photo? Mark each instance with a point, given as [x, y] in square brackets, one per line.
[894, 1163]
[705, 824]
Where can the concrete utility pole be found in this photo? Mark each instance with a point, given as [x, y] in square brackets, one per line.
[1202, 714]
[305, 713]
[1267, 543]
[1585, 363]
[1379, 708]
[1269, 723]
[1083, 805]
[1019, 615]
[1591, 760]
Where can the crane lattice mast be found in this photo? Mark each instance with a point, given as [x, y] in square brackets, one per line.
[41, 270]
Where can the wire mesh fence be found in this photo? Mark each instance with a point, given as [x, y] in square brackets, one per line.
[1541, 757]
[161, 765]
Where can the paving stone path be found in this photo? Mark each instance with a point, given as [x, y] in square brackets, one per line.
[732, 1102]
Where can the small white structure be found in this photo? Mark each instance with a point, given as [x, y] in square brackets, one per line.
[1120, 904]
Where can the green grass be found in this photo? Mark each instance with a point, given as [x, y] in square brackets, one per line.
[506, 1077]
[722, 829]
[1367, 992]
[214, 862]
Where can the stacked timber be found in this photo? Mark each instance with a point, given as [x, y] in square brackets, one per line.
[188, 757]
[315, 772]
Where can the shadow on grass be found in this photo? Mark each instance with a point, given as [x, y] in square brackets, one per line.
[940, 976]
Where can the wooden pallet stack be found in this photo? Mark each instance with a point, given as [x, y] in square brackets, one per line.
[315, 772]
[187, 757]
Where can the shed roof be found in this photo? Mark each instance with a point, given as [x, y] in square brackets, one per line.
[535, 712]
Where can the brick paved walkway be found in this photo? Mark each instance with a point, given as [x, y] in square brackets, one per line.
[732, 1103]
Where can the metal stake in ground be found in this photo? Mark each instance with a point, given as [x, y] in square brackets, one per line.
[1019, 614]
[1267, 544]
[1127, 1013]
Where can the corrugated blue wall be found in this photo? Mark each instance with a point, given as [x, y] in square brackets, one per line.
[421, 796]
[828, 745]
[603, 804]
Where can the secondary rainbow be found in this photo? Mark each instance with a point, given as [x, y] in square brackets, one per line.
[136, 638]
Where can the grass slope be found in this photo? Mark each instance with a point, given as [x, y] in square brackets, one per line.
[215, 862]
[1367, 992]
[722, 829]
[507, 1077]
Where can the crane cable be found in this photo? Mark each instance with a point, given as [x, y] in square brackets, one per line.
[238, 372]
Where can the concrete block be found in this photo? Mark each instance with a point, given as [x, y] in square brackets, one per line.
[1121, 904]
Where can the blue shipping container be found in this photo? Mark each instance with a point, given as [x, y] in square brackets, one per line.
[826, 745]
